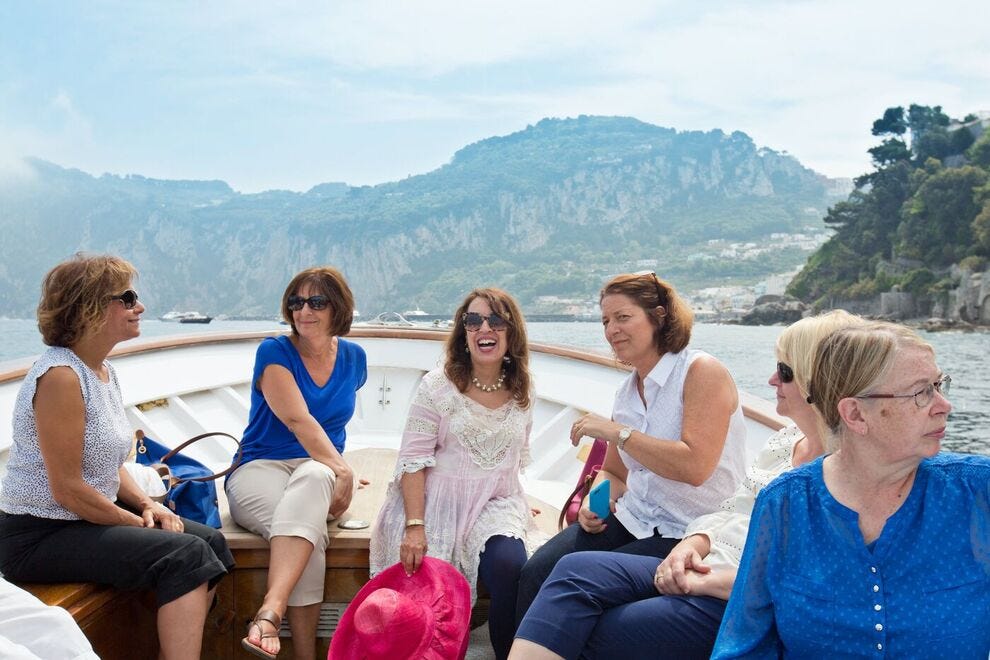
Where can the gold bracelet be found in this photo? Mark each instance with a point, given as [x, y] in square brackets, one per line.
[415, 522]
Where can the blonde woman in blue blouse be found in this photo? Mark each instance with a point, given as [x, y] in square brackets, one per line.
[882, 548]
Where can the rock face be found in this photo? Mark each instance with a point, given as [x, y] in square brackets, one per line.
[546, 200]
[970, 302]
[775, 310]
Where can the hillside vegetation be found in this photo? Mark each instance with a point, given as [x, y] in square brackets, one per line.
[550, 210]
[924, 208]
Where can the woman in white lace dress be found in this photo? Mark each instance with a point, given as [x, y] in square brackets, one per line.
[456, 493]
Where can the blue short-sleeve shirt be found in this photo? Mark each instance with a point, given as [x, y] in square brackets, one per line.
[332, 405]
[810, 587]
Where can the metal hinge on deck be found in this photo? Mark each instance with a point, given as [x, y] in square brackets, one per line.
[384, 389]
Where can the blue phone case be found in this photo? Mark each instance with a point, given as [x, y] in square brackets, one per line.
[598, 500]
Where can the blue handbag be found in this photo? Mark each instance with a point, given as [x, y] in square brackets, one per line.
[190, 488]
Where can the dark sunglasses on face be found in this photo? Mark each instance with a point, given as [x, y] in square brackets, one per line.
[785, 373]
[128, 298]
[315, 303]
[473, 320]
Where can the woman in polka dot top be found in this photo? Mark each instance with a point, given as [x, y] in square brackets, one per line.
[882, 548]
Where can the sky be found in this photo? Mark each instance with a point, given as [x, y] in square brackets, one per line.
[287, 95]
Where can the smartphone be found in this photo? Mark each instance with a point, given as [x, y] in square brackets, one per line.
[598, 500]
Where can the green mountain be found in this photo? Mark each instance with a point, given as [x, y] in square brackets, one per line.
[550, 210]
[915, 223]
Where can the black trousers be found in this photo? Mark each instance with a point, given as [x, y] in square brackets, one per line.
[45, 550]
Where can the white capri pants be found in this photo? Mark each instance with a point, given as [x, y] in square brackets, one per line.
[287, 498]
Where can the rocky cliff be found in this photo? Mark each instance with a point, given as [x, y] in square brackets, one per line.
[550, 209]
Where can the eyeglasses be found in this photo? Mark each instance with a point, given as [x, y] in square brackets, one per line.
[473, 320]
[316, 303]
[656, 283]
[922, 397]
[785, 373]
[128, 298]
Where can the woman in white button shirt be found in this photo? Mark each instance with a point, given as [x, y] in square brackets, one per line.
[676, 440]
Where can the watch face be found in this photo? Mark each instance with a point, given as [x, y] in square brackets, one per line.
[624, 434]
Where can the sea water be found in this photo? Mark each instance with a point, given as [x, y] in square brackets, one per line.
[747, 351]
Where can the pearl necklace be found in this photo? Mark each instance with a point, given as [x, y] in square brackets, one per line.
[489, 388]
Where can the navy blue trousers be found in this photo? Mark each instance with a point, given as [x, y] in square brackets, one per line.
[501, 561]
[604, 605]
[574, 539]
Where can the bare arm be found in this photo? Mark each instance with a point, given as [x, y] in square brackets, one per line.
[60, 416]
[414, 544]
[710, 397]
[284, 398]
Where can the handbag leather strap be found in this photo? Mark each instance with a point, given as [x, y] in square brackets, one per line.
[237, 457]
[583, 488]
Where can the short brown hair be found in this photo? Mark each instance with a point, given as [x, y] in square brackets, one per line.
[75, 293]
[457, 366]
[852, 360]
[672, 325]
[326, 281]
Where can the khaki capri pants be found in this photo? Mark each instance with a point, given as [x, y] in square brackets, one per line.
[287, 498]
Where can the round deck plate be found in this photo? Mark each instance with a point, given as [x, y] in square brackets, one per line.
[353, 523]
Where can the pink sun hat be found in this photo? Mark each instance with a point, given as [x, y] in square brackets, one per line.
[396, 616]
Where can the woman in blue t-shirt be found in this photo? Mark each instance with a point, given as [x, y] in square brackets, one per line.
[293, 473]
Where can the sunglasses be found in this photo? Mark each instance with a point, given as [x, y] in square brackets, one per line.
[316, 303]
[128, 298]
[656, 283]
[785, 373]
[473, 320]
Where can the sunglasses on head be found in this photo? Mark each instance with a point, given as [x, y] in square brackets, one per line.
[656, 283]
[785, 373]
[473, 320]
[315, 303]
[128, 298]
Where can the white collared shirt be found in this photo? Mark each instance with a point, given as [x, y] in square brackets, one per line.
[653, 502]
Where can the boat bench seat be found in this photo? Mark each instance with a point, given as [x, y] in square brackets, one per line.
[375, 466]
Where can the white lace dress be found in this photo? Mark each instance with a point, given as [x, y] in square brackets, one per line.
[472, 456]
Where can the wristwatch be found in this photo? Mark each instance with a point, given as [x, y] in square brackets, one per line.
[623, 436]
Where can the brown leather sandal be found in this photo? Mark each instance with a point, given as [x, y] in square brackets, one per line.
[267, 616]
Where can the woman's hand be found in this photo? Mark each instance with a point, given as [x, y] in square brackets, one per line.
[343, 490]
[413, 548]
[678, 573]
[590, 522]
[154, 514]
[595, 426]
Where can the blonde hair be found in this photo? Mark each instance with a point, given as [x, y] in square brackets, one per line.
[851, 361]
[798, 343]
[75, 295]
[672, 326]
[457, 366]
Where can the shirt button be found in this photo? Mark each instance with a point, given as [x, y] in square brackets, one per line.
[879, 647]
[873, 569]
[878, 607]
[879, 627]
[876, 588]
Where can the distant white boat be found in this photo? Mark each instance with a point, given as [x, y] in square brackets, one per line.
[414, 312]
[186, 317]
